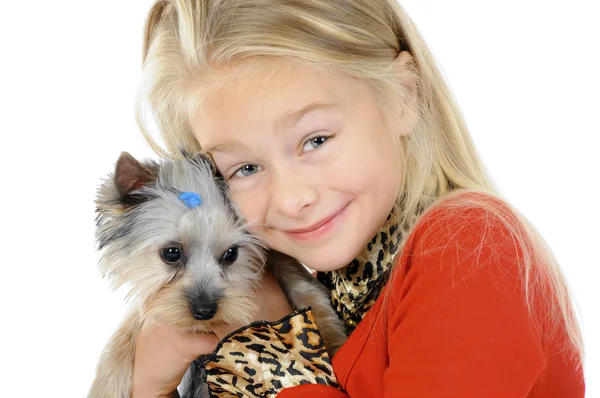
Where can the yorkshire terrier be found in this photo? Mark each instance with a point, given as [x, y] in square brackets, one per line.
[168, 231]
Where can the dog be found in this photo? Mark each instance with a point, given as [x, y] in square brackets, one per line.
[168, 231]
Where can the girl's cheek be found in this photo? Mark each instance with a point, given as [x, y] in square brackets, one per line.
[251, 197]
[248, 205]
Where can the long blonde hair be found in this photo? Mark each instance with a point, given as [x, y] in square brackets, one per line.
[186, 39]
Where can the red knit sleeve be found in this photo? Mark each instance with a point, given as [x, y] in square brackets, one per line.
[458, 324]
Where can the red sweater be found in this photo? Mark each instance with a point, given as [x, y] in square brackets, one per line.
[449, 329]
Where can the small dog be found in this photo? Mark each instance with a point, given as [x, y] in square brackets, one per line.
[168, 230]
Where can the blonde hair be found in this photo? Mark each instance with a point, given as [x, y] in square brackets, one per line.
[186, 40]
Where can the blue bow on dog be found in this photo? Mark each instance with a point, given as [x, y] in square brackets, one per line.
[190, 199]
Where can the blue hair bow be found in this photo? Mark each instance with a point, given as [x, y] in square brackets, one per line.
[190, 199]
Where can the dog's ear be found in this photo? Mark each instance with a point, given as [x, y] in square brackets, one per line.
[116, 194]
[131, 175]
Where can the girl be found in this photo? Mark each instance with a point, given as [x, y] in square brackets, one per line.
[343, 147]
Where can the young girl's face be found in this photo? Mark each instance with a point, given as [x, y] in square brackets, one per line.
[309, 159]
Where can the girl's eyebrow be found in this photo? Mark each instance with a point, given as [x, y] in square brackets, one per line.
[227, 146]
[288, 120]
[294, 117]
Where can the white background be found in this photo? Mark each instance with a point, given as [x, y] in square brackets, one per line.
[525, 74]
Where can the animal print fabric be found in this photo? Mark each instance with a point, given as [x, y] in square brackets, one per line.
[263, 358]
[356, 287]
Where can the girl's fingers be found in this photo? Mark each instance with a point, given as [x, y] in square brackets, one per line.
[200, 344]
[163, 354]
[189, 346]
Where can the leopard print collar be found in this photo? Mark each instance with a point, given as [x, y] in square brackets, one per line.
[355, 288]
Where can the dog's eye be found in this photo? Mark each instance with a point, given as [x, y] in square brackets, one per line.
[229, 256]
[171, 254]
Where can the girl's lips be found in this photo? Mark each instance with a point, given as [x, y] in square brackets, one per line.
[318, 229]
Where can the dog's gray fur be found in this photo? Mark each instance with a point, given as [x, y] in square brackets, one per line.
[138, 215]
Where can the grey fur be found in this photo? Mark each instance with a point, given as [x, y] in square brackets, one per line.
[139, 214]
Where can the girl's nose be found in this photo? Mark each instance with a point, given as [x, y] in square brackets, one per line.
[292, 193]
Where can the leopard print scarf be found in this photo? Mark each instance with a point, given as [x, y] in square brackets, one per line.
[355, 288]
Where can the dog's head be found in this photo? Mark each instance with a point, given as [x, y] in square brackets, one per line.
[167, 230]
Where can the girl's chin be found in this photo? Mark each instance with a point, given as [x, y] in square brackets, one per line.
[323, 265]
[324, 259]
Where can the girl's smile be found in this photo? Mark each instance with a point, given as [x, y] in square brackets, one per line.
[320, 229]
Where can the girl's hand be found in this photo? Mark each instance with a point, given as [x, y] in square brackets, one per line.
[162, 356]
[272, 304]
[163, 353]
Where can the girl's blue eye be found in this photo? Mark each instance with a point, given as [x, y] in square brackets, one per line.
[246, 170]
[314, 143]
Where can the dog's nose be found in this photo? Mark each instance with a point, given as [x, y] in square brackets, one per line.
[204, 311]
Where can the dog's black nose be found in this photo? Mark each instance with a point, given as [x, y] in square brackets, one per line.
[204, 311]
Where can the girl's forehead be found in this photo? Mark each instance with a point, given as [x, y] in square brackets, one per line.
[273, 96]
[257, 78]
[270, 87]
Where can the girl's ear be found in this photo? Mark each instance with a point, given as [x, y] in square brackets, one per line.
[408, 77]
